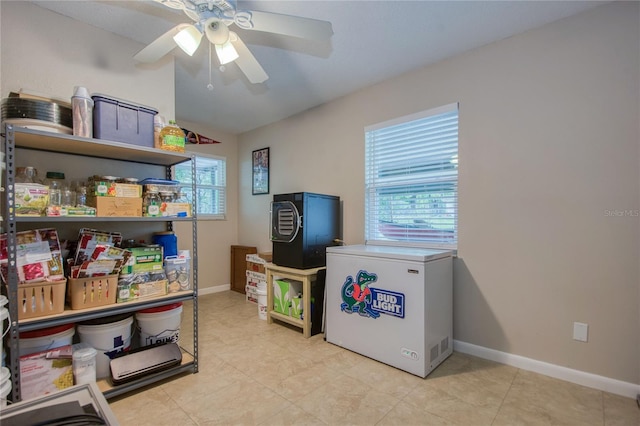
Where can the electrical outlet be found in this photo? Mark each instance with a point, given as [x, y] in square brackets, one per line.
[580, 331]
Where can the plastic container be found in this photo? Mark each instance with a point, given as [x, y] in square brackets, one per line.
[5, 386]
[168, 241]
[172, 137]
[82, 111]
[108, 336]
[122, 121]
[35, 341]
[262, 304]
[159, 325]
[84, 364]
[178, 271]
[158, 125]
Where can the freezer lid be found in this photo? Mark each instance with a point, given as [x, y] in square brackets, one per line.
[391, 252]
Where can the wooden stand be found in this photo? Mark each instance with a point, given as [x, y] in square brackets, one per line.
[306, 276]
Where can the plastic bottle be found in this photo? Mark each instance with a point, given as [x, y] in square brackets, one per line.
[158, 125]
[82, 110]
[172, 137]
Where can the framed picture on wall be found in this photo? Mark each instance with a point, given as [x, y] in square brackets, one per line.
[260, 176]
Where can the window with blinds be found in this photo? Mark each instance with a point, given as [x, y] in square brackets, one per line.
[211, 185]
[411, 179]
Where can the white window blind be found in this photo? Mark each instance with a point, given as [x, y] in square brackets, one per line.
[211, 185]
[411, 179]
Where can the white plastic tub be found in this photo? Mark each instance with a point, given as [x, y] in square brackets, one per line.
[108, 338]
[32, 342]
[5, 386]
[159, 325]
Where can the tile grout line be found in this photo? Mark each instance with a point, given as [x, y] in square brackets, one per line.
[515, 376]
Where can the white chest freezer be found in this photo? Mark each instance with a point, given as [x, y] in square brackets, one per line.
[391, 304]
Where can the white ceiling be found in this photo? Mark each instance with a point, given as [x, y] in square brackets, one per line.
[372, 41]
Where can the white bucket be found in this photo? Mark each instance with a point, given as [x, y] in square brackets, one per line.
[108, 339]
[32, 342]
[4, 329]
[159, 325]
[262, 303]
[5, 386]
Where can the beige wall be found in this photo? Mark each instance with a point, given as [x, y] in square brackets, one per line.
[49, 53]
[549, 147]
[215, 237]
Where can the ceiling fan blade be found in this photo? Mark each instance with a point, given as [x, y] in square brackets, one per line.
[158, 48]
[296, 26]
[247, 62]
[173, 4]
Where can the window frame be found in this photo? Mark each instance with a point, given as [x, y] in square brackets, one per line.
[187, 186]
[373, 184]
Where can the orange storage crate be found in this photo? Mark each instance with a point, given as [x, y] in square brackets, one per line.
[41, 298]
[92, 292]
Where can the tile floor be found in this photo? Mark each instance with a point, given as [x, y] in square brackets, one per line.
[253, 373]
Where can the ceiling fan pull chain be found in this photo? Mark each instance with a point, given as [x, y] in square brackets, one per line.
[210, 85]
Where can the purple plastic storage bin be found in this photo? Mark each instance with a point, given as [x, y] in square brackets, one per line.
[122, 121]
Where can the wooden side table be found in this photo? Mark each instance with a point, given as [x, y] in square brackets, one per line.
[306, 276]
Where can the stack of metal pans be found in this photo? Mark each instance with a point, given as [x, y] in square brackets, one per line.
[37, 114]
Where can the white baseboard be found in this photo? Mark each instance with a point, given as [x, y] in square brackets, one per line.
[602, 383]
[214, 289]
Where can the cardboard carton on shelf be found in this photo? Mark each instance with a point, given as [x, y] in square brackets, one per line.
[144, 259]
[116, 206]
[256, 262]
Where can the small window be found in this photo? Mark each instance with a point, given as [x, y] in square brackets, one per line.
[411, 179]
[211, 185]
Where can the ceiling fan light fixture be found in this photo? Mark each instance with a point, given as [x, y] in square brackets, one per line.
[226, 52]
[188, 38]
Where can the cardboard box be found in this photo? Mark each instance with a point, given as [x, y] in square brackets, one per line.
[70, 211]
[283, 291]
[251, 288]
[31, 199]
[256, 263]
[45, 372]
[176, 209]
[129, 291]
[144, 259]
[114, 189]
[116, 206]
[251, 292]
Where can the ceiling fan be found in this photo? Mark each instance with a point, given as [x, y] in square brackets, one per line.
[213, 18]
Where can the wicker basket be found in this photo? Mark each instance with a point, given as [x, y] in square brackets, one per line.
[41, 298]
[92, 292]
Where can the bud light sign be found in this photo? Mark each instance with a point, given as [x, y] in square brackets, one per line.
[387, 302]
